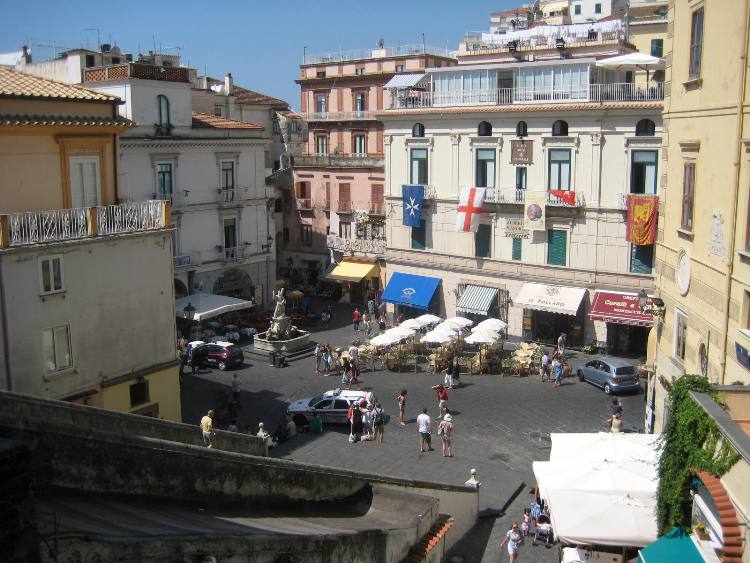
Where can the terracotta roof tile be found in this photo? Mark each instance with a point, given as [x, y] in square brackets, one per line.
[431, 539]
[206, 121]
[245, 95]
[730, 529]
[15, 84]
[64, 120]
[518, 108]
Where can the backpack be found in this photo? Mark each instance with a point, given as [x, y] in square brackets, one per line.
[379, 419]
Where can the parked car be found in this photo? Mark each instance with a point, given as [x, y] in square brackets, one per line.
[221, 354]
[331, 407]
[611, 374]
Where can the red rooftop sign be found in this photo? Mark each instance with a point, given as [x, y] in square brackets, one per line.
[620, 308]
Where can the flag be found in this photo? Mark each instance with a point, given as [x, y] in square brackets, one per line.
[565, 195]
[534, 207]
[469, 207]
[643, 213]
[413, 200]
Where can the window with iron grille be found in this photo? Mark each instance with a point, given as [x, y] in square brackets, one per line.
[688, 195]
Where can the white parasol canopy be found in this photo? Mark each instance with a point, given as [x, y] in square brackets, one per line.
[207, 305]
[461, 322]
[632, 61]
[601, 446]
[492, 324]
[429, 319]
[437, 337]
[482, 337]
[401, 332]
[415, 324]
[608, 476]
[385, 340]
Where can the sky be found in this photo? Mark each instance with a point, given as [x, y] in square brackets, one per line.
[260, 42]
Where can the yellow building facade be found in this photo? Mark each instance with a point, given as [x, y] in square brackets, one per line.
[703, 244]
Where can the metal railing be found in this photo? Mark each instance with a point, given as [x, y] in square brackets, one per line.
[377, 53]
[338, 115]
[622, 199]
[377, 208]
[339, 161]
[500, 195]
[233, 253]
[83, 222]
[231, 195]
[617, 92]
[305, 204]
[344, 207]
[187, 261]
[478, 41]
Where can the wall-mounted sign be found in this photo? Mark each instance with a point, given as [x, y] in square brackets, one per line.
[534, 216]
[371, 246]
[743, 358]
[716, 243]
[514, 228]
[521, 152]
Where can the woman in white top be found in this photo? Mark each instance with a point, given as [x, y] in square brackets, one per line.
[513, 538]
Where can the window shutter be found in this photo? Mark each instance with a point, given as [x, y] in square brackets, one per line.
[482, 241]
[556, 247]
[688, 192]
[641, 258]
[517, 248]
[418, 235]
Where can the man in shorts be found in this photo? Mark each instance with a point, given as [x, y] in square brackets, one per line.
[207, 426]
[442, 396]
[424, 425]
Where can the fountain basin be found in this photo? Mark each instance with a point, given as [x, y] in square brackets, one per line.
[299, 342]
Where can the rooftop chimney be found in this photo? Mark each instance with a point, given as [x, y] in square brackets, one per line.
[26, 54]
[228, 84]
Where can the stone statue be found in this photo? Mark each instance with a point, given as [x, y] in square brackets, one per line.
[280, 323]
[280, 309]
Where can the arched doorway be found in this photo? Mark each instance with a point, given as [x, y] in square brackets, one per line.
[234, 283]
[180, 289]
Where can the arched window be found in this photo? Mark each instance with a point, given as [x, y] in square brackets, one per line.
[560, 128]
[163, 104]
[484, 129]
[521, 129]
[645, 128]
[417, 130]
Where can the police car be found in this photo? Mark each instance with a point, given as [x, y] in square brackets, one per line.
[331, 407]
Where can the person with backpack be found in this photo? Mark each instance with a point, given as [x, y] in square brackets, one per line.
[378, 423]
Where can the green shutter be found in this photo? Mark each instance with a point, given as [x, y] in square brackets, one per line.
[482, 241]
[517, 249]
[418, 236]
[556, 247]
[641, 258]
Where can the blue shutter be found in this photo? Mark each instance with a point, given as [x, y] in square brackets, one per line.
[556, 247]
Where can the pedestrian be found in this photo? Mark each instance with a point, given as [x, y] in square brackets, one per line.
[327, 359]
[346, 378]
[456, 372]
[316, 424]
[337, 360]
[445, 431]
[207, 426]
[371, 307]
[442, 396]
[544, 366]
[236, 389]
[514, 539]
[354, 358]
[615, 407]
[378, 423]
[291, 427]
[424, 425]
[557, 371]
[402, 407]
[367, 322]
[262, 433]
[330, 312]
[400, 319]
[526, 522]
[356, 317]
[318, 357]
[616, 424]
[562, 341]
[448, 378]
[381, 323]
[232, 426]
[356, 423]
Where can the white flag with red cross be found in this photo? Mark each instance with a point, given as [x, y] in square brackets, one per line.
[469, 207]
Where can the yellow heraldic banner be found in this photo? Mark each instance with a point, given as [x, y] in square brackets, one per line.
[534, 211]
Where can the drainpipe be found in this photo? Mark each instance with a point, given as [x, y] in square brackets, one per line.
[735, 191]
[115, 152]
[4, 321]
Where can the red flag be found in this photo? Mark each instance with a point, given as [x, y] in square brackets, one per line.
[643, 215]
[565, 195]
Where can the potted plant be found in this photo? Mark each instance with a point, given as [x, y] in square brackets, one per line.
[701, 532]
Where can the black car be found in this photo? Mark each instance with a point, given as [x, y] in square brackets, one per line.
[218, 354]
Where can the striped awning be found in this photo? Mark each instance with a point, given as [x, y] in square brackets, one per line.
[404, 81]
[477, 299]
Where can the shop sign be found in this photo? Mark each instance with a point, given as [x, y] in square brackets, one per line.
[521, 152]
[514, 228]
[370, 246]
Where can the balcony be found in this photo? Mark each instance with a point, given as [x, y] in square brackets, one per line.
[510, 196]
[304, 204]
[377, 53]
[374, 246]
[231, 195]
[58, 225]
[377, 208]
[339, 116]
[597, 93]
[344, 207]
[233, 253]
[185, 262]
[136, 70]
[339, 161]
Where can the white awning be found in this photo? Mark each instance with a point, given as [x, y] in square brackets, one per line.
[209, 305]
[404, 81]
[477, 299]
[551, 298]
[632, 61]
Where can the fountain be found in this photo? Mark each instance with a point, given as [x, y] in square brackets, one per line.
[281, 333]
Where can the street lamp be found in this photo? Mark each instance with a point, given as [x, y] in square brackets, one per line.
[267, 246]
[656, 310]
[189, 311]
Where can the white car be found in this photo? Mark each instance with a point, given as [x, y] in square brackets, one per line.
[332, 406]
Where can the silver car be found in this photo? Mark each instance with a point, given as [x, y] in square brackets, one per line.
[611, 374]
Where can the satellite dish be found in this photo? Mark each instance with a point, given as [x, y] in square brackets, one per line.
[381, 43]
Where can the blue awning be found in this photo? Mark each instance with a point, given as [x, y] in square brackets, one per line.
[675, 545]
[410, 290]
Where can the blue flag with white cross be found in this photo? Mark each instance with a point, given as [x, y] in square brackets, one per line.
[413, 200]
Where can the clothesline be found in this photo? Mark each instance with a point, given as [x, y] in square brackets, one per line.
[554, 31]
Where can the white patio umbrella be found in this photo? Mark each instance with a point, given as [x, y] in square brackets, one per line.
[429, 319]
[448, 325]
[462, 322]
[385, 340]
[415, 324]
[482, 337]
[437, 337]
[495, 325]
[631, 61]
[400, 331]
[605, 476]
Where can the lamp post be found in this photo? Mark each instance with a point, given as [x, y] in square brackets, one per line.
[188, 312]
[657, 305]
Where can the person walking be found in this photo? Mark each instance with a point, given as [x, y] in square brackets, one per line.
[448, 378]
[382, 324]
[562, 341]
[318, 357]
[544, 367]
[424, 425]
[346, 378]
[513, 538]
[616, 425]
[615, 410]
[236, 389]
[445, 431]
[357, 425]
[402, 407]
[378, 423]
[356, 317]
[207, 426]
[557, 371]
[442, 396]
[327, 359]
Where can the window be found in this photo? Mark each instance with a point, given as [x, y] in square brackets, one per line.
[50, 268]
[680, 334]
[641, 258]
[517, 248]
[278, 205]
[139, 393]
[378, 199]
[417, 130]
[164, 180]
[56, 348]
[521, 178]
[643, 172]
[688, 195]
[559, 169]
[163, 104]
[485, 174]
[116, 61]
[84, 181]
[345, 198]
[345, 230]
[657, 47]
[597, 8]
[276, 126]
[557, 242]
[560, 128]
[328, 195]
[320, 74]
[483, 241]
[218, 110]
[645, 128]
[359, 145]
[696, 44]
[306, 234]
[227, 175]
[484, 129]
[321, 103]
[400, 68]
[418, 166]
[419, 236]
[577, 9]
[230, 239]
[359, 101]
[321, 145]
[90, 61]
[522, 129]
[359, 71]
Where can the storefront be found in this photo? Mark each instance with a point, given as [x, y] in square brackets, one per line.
[411, 294]
[627, 326]
[478, 302]
[549, 310]
[360, 280]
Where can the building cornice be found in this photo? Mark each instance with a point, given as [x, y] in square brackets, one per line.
[135, 142]
[523, 108]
